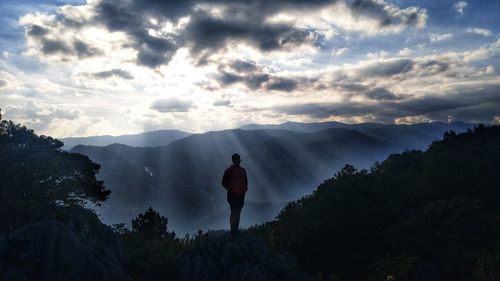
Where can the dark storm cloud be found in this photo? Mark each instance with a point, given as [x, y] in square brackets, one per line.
[252, 81]
[282, 84]
[387, 68]
[324, 110]
[359, 80]
[386, 17]
[256, 77]
[50, 47]
[432, 67]
[112, 73]
[83, 50]
[464, 97]
[255, 82]
[380, 93]
[171, 105]
[475, 102]
[205, 33]
[208, 33]
[37, 30]
[226, 78]
[258, 81]
[77, 48]
[222, 103]
[350, 87]
[133, 18]
[243, 66]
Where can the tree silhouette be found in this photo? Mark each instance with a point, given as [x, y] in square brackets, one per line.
[151, 225]
[37, 177]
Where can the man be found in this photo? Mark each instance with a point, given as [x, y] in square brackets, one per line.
[236, 183]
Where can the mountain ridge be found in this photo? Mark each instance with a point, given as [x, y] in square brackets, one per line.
[145, 139]
[183, 177]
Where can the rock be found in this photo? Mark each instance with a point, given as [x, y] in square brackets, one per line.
[52, 251]
[246, 259]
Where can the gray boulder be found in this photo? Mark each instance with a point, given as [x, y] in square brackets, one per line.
[245, 259]
[53, 251]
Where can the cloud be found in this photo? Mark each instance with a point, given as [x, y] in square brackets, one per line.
[385, 68]
[243, 66]
[375, 55]
[490, 70]
[111, 73]
[42, 113]
[205, 33]
[405, 52]
[171, 105]
[389, 15]
[36, 30]
[323, 110]
[381, 93]
[480, 31]
[440, 37]
[282, 84]
[3, 83]
[340, 51]
[479, 102]
[221, 103]
[460, 7]
[256, 77]
[156, 30]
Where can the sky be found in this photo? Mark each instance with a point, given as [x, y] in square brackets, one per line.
[109, 67]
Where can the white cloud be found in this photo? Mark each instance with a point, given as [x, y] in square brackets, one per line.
[490, 69]
[340, 51]
[376, 55]
[480, 31]
[460, 7]
[405, 52]
[440, 37]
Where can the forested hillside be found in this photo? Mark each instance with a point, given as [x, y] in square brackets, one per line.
[430, 215]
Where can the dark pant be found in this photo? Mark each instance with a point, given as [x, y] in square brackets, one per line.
[236, 202]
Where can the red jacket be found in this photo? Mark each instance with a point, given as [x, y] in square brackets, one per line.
[235, 179]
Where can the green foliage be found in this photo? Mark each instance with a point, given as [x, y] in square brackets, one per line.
[440, 207]
[36, 177]
[151, 225]
[151, 250]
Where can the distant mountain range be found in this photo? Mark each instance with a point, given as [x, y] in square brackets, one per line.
[284, 162]
[148, 139]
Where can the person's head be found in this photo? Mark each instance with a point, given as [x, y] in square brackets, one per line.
[236, 158]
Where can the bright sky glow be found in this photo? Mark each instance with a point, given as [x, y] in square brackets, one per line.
[76, 68]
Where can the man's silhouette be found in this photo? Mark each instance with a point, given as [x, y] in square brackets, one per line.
[236, 183]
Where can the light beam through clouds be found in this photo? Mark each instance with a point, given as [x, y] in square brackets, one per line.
[96, 67]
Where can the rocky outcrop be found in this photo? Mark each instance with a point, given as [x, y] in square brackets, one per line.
[53, 251]
[245, 259]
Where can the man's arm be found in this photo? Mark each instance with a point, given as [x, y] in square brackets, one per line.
[226, 179]
[246, 179]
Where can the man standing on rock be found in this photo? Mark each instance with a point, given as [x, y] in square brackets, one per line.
[236, 183]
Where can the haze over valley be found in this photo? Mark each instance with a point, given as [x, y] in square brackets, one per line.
[284, 162]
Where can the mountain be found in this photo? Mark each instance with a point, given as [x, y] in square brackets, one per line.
[182, 179]
[418, 215]
[148, 139]
[297, 126]
[429, 128]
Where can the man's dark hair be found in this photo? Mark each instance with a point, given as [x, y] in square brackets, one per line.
[235, 157]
